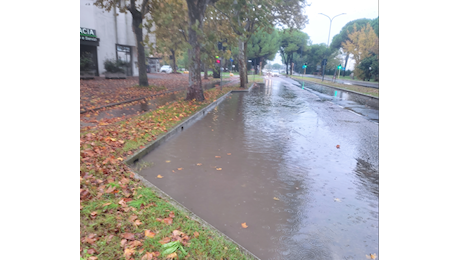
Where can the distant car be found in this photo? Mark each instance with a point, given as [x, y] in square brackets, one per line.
[276, 74]
[166, 69]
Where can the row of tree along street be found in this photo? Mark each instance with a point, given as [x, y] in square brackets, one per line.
[188, 32]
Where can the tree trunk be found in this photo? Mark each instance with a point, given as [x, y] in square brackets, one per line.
[195, 14]
[246, 59]
[260, 66]
[205, 70]
[174, 60]
[137, 22]
[242, 64]
[346, 61]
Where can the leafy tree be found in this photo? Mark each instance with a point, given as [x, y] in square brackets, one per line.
[263, 46]
[170, 28]
[362, 44]
[277, 66]
[292, 41]
[342, 37]
[315, 54]
[138, 12]
[375, 26]
[370, 62]
[247, 16]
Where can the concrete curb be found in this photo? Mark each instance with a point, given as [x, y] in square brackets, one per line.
[354, 92]
[154, 144]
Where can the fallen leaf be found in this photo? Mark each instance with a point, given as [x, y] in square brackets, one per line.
[129, 236]
[296, 188]
[92, 258]
[179, 169]
[148, 256]
[196, 234]
[159, 176]
[229, 154]
[167, 221]
[217, 156]
[165, 240]
[173, 255]
[137, 223]
[198, 164]
[219, 169]
[132, 218]
[338, 146]
[337, 200]
[275, 198]
[123, 242]
[128, 252]
[120, 159]
[244, 225]
[149, 233]
[168, 161]
[371, 256]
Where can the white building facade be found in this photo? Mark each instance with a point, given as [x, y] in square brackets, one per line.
[108, 36]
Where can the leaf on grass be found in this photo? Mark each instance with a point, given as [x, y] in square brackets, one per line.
[147, 256]
[196, 234]
[128, 252]
[275, 198]
[371, 256]
[244, 225]
[120, 159]
[137, 223]
[171, 256]
[149, 233]
[165, 240]
[168, 221]
[129, 236]
[159, 176]
[132, 218]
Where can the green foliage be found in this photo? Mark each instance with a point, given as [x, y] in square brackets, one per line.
[115, 66]
[375, 26]
[373, 62]
[263, 45]
[346, 30]
[293, 42]
[86, 63]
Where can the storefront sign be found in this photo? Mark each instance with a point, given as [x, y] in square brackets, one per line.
[88, 34]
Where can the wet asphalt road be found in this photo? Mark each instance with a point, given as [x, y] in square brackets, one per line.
[279, 171]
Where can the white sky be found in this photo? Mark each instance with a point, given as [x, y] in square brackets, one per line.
[318, 27]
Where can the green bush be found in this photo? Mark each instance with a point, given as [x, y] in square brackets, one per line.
[115, 66]
[86, 63]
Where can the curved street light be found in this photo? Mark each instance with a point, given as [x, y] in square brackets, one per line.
[328, 37]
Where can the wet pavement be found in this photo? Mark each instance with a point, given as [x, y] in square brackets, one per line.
[363, 105]
[269, 158]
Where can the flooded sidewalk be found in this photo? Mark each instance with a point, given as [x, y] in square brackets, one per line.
[302, 174]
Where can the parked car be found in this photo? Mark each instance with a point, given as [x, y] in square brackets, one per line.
[276, 74]
[166, 69]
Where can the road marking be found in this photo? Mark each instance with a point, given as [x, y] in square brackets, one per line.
[355, 113]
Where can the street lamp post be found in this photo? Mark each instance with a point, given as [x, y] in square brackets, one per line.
[330, 24]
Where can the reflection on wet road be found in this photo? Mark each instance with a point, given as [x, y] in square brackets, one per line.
[269, 158]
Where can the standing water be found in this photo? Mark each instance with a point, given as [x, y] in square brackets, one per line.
[301, 173]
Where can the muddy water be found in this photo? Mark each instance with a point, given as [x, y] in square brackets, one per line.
[278, 142]
[366, 106]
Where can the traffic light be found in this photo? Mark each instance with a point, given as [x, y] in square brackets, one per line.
[339, 67]
[217, 59]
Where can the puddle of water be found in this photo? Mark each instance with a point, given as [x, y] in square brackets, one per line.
[271, 144]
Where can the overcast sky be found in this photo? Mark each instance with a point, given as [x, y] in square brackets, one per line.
[318, 26]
